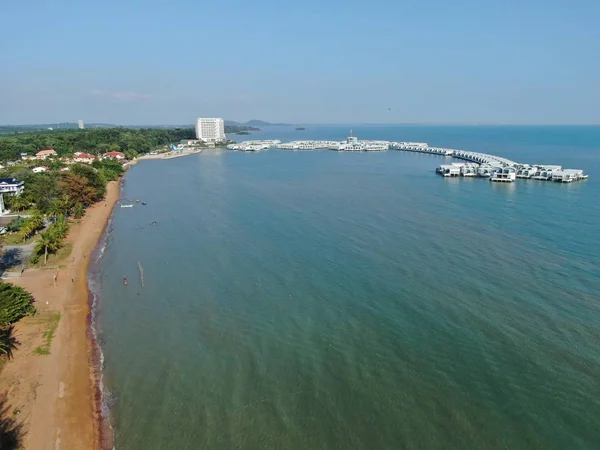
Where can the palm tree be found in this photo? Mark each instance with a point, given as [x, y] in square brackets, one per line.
[48, 242]
[60, 227]
[19, 202]
[26, 230]
[66, 204]
[55, 209]
[78, 211]
[37, 220]
[8, 342]
[32, 224]
[59, 206]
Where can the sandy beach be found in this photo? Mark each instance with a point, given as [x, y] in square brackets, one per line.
[168, 155]
[55, 396]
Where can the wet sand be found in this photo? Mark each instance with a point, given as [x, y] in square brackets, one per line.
[56, 395]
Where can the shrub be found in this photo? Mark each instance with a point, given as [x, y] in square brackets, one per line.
[15, 302]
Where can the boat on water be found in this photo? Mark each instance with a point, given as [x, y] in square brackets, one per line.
[144, 203]
[126, 206]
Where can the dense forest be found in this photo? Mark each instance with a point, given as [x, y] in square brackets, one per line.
[95, 141]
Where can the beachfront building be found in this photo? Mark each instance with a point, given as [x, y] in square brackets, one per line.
[190, 142]
[210, 129]
[83, 158]
[11, 186]
[114, 155]
[43, 154]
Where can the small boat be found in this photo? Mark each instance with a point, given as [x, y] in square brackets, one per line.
[126, 206]
[137, 201]
[153, 223]
[125, 281]
[144, 203]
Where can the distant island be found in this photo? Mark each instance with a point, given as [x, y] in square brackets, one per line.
[256, 123]
[17, 129]
[239, 129]
[231, 127]
[300, 129]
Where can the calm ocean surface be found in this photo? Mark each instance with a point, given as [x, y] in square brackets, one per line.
[324, 300]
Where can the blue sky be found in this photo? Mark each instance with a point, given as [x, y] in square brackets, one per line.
[326, 61]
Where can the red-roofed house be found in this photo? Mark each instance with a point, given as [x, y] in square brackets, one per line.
[114, 155]
[82, 157]
[45, 153]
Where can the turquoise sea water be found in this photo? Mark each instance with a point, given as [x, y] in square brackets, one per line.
[324, 300]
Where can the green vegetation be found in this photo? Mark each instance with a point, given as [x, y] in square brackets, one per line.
[15, 302]
[52, 197]
[132, 142]
[8, 342]
[16, 224]
[31, 225]
[53, 320]
[95, 141]
[51, 240]
[55, 193]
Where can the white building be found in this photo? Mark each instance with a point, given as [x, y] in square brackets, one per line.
[80, 124]
[210, 129]
[11, 186]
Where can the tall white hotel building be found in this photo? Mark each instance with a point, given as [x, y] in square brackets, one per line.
[208, 129]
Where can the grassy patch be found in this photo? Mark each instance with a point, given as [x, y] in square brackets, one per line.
[16, 239]
[52, 324]
[53, 259]
[25, 212]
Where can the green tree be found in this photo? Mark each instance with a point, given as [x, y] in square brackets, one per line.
[55, 209]
[42, 189]
[8, 342]
[48, 242]
[59, 206]
[15, 302]
[17, 202]
[60, 227]
[32, 224]
[78, 210]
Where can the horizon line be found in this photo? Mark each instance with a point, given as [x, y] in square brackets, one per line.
[274, 124]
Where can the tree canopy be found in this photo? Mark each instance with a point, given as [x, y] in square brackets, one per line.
[15, 302]
[94, 140]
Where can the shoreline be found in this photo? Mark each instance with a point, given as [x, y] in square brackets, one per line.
[59, 396]
[105, 434]
[169, 155]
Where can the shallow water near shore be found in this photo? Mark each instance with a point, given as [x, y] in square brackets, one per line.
[321, 300]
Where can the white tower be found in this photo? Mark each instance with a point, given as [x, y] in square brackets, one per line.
[210, 129]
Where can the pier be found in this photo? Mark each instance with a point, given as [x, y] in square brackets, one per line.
[483, 165]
